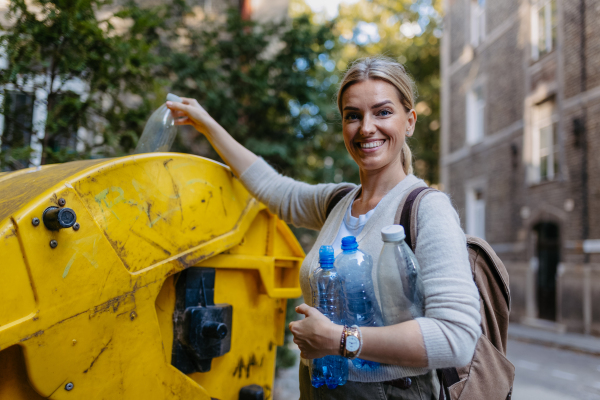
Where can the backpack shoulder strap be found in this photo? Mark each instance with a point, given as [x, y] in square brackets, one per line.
[407, 213]
[337, 197]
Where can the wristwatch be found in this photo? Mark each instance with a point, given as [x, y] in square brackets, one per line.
[353, 343]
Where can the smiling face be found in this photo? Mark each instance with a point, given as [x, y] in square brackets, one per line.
[375, 124]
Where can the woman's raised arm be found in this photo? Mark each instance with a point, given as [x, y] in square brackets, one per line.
[190, 112]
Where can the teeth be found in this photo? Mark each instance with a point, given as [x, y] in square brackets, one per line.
[370, 145]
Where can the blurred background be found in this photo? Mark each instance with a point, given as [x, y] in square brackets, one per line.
[508, 123]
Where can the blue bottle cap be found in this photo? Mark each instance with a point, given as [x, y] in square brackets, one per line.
[326, 257]
[349, 243]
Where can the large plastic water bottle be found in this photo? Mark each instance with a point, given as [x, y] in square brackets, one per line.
[361, 306]
[399, 280]
[326, 288]
[160, 130]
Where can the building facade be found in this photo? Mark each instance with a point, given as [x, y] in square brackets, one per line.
[520, 147]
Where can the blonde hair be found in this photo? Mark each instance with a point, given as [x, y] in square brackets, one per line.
[392, 72]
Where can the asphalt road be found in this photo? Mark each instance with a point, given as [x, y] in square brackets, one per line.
[542, 373]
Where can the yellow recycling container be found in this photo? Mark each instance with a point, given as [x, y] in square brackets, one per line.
[154, 276]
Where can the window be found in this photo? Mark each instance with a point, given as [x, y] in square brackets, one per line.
[17, 129]
[476, 212]
[543, 28]
[18, 119]
[475, 115]
[477, 22]
[544, 166]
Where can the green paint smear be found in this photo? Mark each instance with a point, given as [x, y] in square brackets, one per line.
[68, 267]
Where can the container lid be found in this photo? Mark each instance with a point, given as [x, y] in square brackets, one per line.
[349, 243]
[326, 256]
[392, 233]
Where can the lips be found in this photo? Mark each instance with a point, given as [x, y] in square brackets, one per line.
[371, 145]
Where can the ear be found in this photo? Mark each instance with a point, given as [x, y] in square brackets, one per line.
[411, 122]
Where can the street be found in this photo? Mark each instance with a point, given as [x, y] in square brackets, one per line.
[542, 373]
[552, 374]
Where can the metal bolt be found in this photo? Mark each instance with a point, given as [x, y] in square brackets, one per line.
[76, 226]
[35, 221]
[133, 315]
[69, 386]
[53, 243]
[62, 202]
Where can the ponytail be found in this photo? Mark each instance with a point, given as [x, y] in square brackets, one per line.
[406, 159]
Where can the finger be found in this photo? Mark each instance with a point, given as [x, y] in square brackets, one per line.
[304, 309]
[183, 121]
[173, 105]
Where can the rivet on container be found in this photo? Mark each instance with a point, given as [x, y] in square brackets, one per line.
[53, 243]
[69, 386]
[76, 226]
[62, 202]
[35, 221]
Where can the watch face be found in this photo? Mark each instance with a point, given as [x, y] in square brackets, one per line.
[352, 343]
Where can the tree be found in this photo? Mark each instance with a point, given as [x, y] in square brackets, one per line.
[84, 69]
[264, 83]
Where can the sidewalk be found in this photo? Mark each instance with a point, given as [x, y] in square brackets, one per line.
[569, 341]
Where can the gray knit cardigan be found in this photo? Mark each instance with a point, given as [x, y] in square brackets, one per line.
[450, 327]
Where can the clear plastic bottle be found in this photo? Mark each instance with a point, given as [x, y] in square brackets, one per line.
[160, 130]
[361, 307]
[326, 288]
[398, 265]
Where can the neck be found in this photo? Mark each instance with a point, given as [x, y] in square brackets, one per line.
[375, 185]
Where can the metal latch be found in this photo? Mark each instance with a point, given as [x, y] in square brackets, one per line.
[202, 329]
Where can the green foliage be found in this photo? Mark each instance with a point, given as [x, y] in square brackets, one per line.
[264, 84]
[83, 68]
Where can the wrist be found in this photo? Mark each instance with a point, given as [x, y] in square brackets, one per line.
[335, 335]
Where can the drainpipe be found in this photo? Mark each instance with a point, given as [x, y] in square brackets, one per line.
[583, 134]
[587, 295]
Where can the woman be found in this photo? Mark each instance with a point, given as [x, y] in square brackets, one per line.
[375, 99]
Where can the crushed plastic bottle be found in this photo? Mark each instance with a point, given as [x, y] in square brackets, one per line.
[160, 130]
[398, 265]
[361, 307]
[326, 286]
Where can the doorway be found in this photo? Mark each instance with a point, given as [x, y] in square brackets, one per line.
[548, 255]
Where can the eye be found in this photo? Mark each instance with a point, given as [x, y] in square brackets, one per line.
[352, 116]
[385, 112]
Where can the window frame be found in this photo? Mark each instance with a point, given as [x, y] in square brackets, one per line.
[476, 112]
[476, 211]
[552, 154]
[478, 25]
[550, 27]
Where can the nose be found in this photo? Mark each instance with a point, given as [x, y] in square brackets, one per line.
[368, 127]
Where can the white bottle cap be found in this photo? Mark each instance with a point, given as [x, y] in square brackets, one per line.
[173, 97]
[392, 233]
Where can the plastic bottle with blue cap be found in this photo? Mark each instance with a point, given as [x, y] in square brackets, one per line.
[361, 307]
[326, 287]
[399, 278]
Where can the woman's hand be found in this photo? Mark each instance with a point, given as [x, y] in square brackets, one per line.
[315, 335]
[190, 112]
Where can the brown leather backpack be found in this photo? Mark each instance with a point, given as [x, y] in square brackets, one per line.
[489, 375]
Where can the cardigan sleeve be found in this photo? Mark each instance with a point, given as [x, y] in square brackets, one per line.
[451, 326]
[297, 203]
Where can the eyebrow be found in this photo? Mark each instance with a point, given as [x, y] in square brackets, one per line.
[372, 107]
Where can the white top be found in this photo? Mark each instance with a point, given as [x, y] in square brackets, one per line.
[351, 226]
